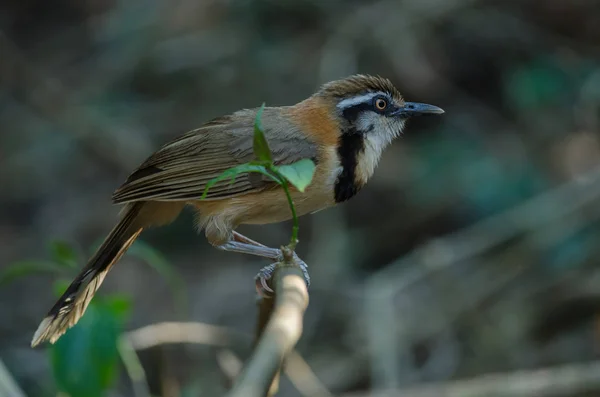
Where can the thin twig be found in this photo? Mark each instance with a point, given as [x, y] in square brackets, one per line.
[231, 365]
[179, 332]
[134, 368]
[278, 337]
[296, 369]
[303, 378]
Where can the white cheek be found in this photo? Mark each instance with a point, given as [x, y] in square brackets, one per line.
[375, 142]
[398, 128]
[364, 122]
[368, 160]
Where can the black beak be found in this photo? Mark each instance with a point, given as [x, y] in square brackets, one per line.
[411, 109]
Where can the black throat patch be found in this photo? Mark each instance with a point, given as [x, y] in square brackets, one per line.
[350, 145]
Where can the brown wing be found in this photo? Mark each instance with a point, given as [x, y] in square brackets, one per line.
[181, 169]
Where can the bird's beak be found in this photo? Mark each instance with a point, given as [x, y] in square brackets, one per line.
[411, 109]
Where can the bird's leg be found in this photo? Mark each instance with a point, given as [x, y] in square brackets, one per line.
[243, 239]
[243, 245]
[267, 271]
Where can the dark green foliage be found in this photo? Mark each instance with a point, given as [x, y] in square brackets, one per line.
[26, 268]
[63, 254]
[85, 360]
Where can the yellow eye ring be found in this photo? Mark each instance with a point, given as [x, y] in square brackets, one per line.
[381, 104]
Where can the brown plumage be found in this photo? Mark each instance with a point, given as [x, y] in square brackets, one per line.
[359, 85]
[339, 128]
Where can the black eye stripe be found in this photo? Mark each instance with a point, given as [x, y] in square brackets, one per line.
[351, 113]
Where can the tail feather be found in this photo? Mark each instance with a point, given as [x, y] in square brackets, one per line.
[72, 304]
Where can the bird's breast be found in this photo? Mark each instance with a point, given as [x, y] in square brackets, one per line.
[271, 205]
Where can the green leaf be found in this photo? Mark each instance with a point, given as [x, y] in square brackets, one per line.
[25, 268]
[233, 172]
[158, 262]
[261, 147]
[85, 359]
[299, 174]
[63, 254]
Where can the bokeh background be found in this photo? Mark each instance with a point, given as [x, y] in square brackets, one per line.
[472, 251]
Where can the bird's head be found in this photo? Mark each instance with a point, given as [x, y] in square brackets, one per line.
[372, 106]
[371, 113]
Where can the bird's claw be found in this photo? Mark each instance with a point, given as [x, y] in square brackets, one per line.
[266, 273]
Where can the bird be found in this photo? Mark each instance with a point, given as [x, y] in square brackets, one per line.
[343, 128]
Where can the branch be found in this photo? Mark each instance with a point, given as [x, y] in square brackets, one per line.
[178, 332]
[296, 369]
[134, 368]
[279, 328]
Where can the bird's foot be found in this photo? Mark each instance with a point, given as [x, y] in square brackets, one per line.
[244, 245]
[266, 273]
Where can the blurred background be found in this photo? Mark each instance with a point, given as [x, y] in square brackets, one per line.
[472, 251]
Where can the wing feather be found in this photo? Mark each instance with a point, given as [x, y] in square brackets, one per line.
[181, 169]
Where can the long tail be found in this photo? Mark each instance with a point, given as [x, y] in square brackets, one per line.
[72, 304]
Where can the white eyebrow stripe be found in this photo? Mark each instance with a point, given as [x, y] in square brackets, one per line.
[346, 103]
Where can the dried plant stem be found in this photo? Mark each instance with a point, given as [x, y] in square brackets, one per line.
[134, 368]
[279, 328]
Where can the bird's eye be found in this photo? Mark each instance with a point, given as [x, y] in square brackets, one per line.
[381, 104]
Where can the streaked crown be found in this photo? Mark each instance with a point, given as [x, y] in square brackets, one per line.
[360, 85]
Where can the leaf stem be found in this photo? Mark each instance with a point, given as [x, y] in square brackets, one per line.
[294, 240]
